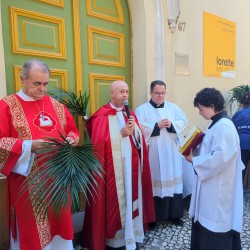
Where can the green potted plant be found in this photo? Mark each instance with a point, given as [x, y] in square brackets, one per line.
[235, 94]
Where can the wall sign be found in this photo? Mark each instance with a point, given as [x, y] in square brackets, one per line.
[219, 46]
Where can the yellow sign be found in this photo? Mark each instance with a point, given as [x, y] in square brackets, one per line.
[219, 48]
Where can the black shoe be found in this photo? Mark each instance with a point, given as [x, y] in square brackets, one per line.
[166, 223]
[115, 248]
[152, 225]
[178, 222]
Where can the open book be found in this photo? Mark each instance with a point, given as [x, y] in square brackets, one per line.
[192, 140]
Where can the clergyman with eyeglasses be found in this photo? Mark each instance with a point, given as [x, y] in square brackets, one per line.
[162, 123]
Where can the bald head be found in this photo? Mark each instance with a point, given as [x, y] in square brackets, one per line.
[117, 84]
[118, 93]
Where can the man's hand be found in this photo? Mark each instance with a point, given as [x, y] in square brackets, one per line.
[38, 145]
[128, 129]
[165, 123]
[190, 156]
[71, 141]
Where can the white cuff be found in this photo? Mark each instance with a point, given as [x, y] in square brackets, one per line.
[25, 161]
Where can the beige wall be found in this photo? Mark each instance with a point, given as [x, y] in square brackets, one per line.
[2, 65]
[142, 49]
[191, 42]
[182, 89]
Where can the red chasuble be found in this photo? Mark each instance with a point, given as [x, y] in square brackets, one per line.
[30, 120]
[102, 217]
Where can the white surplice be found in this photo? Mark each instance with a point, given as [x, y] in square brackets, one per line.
[217, 196]
[164, 157]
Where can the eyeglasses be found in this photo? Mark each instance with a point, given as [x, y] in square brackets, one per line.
[159, 93]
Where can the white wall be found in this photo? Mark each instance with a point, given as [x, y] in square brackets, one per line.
[182, 89]
[143, 57]
[2, 65]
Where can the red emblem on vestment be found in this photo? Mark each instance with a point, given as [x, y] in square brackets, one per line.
[45, 122]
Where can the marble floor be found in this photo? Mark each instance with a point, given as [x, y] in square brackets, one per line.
[171, 237]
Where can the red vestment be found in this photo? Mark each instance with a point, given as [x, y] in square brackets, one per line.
[102, 217]
[20, 120]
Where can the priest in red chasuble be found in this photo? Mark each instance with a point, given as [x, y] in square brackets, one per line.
[27, 119]
[117, 215]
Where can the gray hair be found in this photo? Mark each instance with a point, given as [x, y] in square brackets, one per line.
[28, 65]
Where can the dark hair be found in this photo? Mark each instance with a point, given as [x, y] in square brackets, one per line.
[245, 99]
[28, 65]
[210, 97]
[156, 82]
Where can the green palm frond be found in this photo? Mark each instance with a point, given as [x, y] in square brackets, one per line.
[76, 104]
[236, 93]
[65, 169]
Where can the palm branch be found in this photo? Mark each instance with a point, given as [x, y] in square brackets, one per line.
[236, 93]
[76, 104]
[64, 169]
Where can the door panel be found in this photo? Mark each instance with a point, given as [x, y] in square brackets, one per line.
[49, 38]
[105, 47]
[100, 89]
[108, 10]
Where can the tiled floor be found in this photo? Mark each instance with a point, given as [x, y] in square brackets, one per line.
[245, 236]
[170, 237]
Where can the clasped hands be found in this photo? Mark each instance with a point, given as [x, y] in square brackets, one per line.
[165, 123]
[128, 129]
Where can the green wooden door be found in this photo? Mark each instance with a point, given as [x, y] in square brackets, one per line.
[86, 43]
[106, 54]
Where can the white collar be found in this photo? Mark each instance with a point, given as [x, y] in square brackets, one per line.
[25, 97]
[114, 107]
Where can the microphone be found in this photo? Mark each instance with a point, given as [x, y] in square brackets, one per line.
[125, 103]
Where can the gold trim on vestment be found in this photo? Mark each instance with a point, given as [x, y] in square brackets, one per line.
[115, 138]
[6, 144]
[42, 224]
[59, 108]
[18, 117]
[22, 127]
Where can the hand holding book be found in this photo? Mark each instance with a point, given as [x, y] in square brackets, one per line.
[192, 140]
